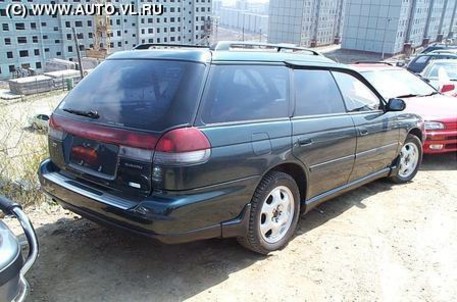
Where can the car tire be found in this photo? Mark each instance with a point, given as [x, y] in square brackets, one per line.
[275, 209]
[409, 160]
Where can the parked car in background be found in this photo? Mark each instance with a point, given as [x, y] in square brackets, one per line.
[442, 74]
[437, 110]
[445, 51]
[438, 46]
[39, 121]
[189, 143]
[13, 286]
[418, 63]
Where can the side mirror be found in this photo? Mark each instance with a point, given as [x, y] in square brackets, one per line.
[447, 88]
[395, 105]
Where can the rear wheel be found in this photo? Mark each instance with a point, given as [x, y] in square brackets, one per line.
[410, 159]
[275, 210]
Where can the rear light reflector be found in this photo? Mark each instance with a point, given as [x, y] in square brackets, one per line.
[85, 154]
[103, 134]
[182, 146]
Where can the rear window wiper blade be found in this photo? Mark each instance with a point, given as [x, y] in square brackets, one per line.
[411, 95]
[92, 113]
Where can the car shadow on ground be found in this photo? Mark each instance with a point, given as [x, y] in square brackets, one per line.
[437, 162]
[81, 261]
[35, 130]
[337, 206]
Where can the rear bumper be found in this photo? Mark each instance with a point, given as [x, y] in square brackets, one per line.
[222, 212]
[440, 142]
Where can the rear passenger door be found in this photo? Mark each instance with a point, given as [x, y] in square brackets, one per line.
[324, 137]
[377, 132]
[246, 117]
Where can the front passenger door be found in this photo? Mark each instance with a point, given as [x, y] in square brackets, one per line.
[377, 133]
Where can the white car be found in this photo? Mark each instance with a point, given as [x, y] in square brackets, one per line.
[442, 74]
[39, 121]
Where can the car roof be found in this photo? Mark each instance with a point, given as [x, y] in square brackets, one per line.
[444, 50]
[434, 54]
[442, 61]
[374, 66]
[299, 56]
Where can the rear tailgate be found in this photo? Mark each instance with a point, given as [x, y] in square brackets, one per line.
[105, 131]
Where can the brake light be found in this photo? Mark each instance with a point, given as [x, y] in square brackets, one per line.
[447, 88]
[183, 140]
[182, 146]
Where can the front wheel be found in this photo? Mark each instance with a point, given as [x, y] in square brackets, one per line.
[410, 159]
[275, 210]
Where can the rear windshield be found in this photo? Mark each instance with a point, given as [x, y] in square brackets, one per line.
[141, 94]
[418, 64]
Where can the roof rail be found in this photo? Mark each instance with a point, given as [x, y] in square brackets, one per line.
[152, 45]
[373, 62]
[228, 45]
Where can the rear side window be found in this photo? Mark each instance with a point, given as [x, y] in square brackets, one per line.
[141, 94]
[317, 93]
[246, 92]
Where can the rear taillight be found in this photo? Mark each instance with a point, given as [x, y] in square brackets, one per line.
[182, 146]
[55, 130]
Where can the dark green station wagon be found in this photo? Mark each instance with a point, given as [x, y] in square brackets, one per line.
[183, 143]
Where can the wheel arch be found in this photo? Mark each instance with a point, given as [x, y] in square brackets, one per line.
[297, 172]
[417, 132]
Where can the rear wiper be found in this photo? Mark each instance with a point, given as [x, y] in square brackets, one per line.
[92, 113]
[411, 95]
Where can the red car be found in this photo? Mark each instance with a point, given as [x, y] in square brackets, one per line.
[438, 111]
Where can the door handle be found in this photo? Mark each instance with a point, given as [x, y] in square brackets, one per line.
[363, 132]
[305, 142]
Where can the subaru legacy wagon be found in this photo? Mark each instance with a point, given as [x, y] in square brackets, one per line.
[184, 143]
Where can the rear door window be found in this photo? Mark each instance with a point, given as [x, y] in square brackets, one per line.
[141, 94]
[316, 93]
[246, 92]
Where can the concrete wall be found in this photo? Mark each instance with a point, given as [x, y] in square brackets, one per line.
[305, 22]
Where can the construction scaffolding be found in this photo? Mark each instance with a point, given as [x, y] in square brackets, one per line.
[102, 34]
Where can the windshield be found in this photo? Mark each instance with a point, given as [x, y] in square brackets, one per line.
[449, 67]
[142, 94]
[397, 82]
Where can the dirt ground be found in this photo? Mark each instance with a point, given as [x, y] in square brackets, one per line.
[381, 242]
